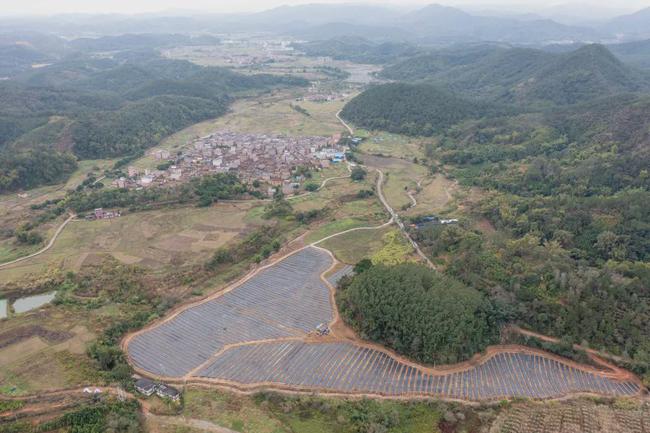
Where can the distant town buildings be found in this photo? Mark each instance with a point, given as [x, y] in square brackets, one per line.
[161, 154]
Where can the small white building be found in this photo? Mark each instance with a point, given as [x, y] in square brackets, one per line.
[175, 173]
[145, 181]
[161, 154]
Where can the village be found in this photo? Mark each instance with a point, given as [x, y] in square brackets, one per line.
[265, 158]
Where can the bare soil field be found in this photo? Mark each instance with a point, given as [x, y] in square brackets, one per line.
[436, 195]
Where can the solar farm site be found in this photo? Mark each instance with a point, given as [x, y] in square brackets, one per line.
[259, 334]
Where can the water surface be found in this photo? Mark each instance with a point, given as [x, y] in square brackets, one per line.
[30, 302]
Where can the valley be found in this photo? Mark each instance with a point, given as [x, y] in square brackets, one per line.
[341, 233]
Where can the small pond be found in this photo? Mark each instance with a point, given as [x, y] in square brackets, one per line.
[30, 302]
[3, 308]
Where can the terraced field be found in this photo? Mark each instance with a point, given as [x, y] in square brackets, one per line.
[255, 335]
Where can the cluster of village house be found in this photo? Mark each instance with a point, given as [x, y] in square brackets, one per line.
[101, 214]
[263, 157]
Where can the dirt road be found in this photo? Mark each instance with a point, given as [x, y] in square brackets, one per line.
[394, 216]
[47, 247]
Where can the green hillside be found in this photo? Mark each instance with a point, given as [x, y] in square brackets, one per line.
[567, 194]
[413, 109]
[107, 108]
[587, 73]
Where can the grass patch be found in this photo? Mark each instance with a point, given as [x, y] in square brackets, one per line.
[394, 251]
[387, 144]
[356, 246]
[229, 410]
[335, 227]
[274, 413]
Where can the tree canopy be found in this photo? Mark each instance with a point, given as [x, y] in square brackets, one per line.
[419, 313]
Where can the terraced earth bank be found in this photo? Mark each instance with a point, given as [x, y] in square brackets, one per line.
[260, 334]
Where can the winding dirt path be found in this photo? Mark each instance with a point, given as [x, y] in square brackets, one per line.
[348, 127]
[47, 247]
[394, 216]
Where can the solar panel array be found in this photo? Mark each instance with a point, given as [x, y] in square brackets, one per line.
[346, 367]
[287, 299]
[336, 276]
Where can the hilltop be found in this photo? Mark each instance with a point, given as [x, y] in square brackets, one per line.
[524, 76]
[414, 109]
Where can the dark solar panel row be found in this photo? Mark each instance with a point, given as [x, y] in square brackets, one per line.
[345, 367]
[336, 276]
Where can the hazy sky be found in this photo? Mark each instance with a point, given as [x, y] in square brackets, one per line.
[139, 6]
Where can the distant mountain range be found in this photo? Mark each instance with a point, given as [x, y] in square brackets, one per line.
[523, 75]
[432, 24]
[435, 91]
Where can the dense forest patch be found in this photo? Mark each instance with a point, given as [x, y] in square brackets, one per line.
[569, 200]
[412, 109]
[419, 313]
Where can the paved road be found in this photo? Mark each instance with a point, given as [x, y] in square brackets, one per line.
[47, 247]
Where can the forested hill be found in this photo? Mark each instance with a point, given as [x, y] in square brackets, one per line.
[358, 50]
[568, 192]
[524, 76]
[97, 108]
[414, 109]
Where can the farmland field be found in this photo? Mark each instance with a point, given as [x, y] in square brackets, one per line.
[355, 246]
[152, 239]
[401, 176]
[392, 145]
[255, 335]
[580, 416]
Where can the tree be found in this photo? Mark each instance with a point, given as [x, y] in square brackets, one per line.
[358, 174]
